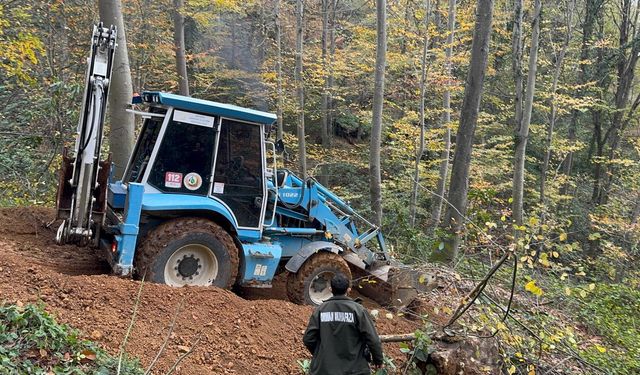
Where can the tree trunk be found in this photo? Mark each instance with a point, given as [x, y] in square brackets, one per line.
[332, 53]
[278, 31]
[302, 153]
[325, 73]
[592, 12]
[234, 42]
[552, 105]
[420, 153]
[522, 129]
[456, 210]
[626, 66]
[436, 208]
[376, 122]
[120, 91]
[324, 174]
[635, 214]
[516, 64]
[178, 41]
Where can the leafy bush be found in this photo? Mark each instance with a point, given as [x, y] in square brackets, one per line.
[32, 342]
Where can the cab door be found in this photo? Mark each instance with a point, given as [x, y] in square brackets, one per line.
[238, 178]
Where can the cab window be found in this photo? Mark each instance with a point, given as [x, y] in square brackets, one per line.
[184, 161]
[238, 174]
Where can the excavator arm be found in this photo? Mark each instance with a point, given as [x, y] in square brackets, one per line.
[83, 176]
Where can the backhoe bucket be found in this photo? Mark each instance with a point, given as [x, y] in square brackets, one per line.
[395, 286]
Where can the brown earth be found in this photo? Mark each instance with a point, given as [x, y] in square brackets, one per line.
[258, 334]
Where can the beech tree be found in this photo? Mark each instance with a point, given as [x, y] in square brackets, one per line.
[302, 152]
[423, 87]
[438, 198]
[522, 123]
[376, 122]
[459, 186]
[559, 58]
[121, 130]
[178, 40]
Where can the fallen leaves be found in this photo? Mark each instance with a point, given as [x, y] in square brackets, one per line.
[533, 288]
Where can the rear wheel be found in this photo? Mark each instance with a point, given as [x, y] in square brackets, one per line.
[311, 285]
[189, 251]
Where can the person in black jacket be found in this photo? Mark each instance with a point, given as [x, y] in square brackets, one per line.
[339, 332]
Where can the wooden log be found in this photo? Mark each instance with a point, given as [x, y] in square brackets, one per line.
[397, 338]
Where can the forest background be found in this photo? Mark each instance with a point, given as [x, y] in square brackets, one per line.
[553, 171]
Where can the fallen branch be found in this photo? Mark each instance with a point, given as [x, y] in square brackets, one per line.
[131, 323]
[398, 338]
[475, 293]
[166, 340]
[182, 357]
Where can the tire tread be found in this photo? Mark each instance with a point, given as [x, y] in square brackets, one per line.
[160, 237]
[296, 281]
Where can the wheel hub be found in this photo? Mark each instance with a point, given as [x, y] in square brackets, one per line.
[320, 283]
[188, 266]
[192, 264]
[320, 287]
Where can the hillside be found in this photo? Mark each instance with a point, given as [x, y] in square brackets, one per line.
[257, 335]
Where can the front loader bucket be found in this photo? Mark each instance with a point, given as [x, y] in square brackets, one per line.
[394, 286]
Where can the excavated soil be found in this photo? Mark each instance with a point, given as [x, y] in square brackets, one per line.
[224, 333]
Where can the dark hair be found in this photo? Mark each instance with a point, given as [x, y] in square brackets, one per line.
[339, 284]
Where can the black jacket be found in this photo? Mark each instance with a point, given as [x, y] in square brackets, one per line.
[337, 334]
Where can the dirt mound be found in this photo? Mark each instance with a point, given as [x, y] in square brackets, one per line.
[224, 332]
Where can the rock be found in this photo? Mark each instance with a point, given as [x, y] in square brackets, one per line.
[96, 335]
[472, 356]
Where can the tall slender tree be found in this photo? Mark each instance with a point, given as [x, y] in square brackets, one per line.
[325, 106]
[593, 10]
[280, 99]
[459, 186]
[120, 90]
[178, 42]
[516, 61]
[423, 86]
[375, 181]
[436, 208]
[325, 72]
[522, 128]
[625, 67]
[302, 153]
[559, 58]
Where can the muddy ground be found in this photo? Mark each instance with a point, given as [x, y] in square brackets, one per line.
[258, 333]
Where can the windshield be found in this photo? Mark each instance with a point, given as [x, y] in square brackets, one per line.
[143, 150]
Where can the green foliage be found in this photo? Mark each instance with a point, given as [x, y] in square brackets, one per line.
[304, 365]
[32, 342]
[419, 349]
[613, 312]
[20, 46]
[388, 366]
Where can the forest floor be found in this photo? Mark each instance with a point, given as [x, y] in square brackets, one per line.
[258, 333]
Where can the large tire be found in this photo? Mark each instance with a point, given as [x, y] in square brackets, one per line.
[188, 251]
[310, 285]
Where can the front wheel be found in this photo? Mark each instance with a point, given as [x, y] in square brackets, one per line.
[311, 285]
[189, 251]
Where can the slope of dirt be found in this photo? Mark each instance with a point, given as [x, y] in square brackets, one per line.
[224, 333]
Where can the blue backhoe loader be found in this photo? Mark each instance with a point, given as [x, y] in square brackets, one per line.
[203, 202]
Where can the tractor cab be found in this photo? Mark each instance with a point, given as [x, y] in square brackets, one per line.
[195, 148]
[194, 154]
